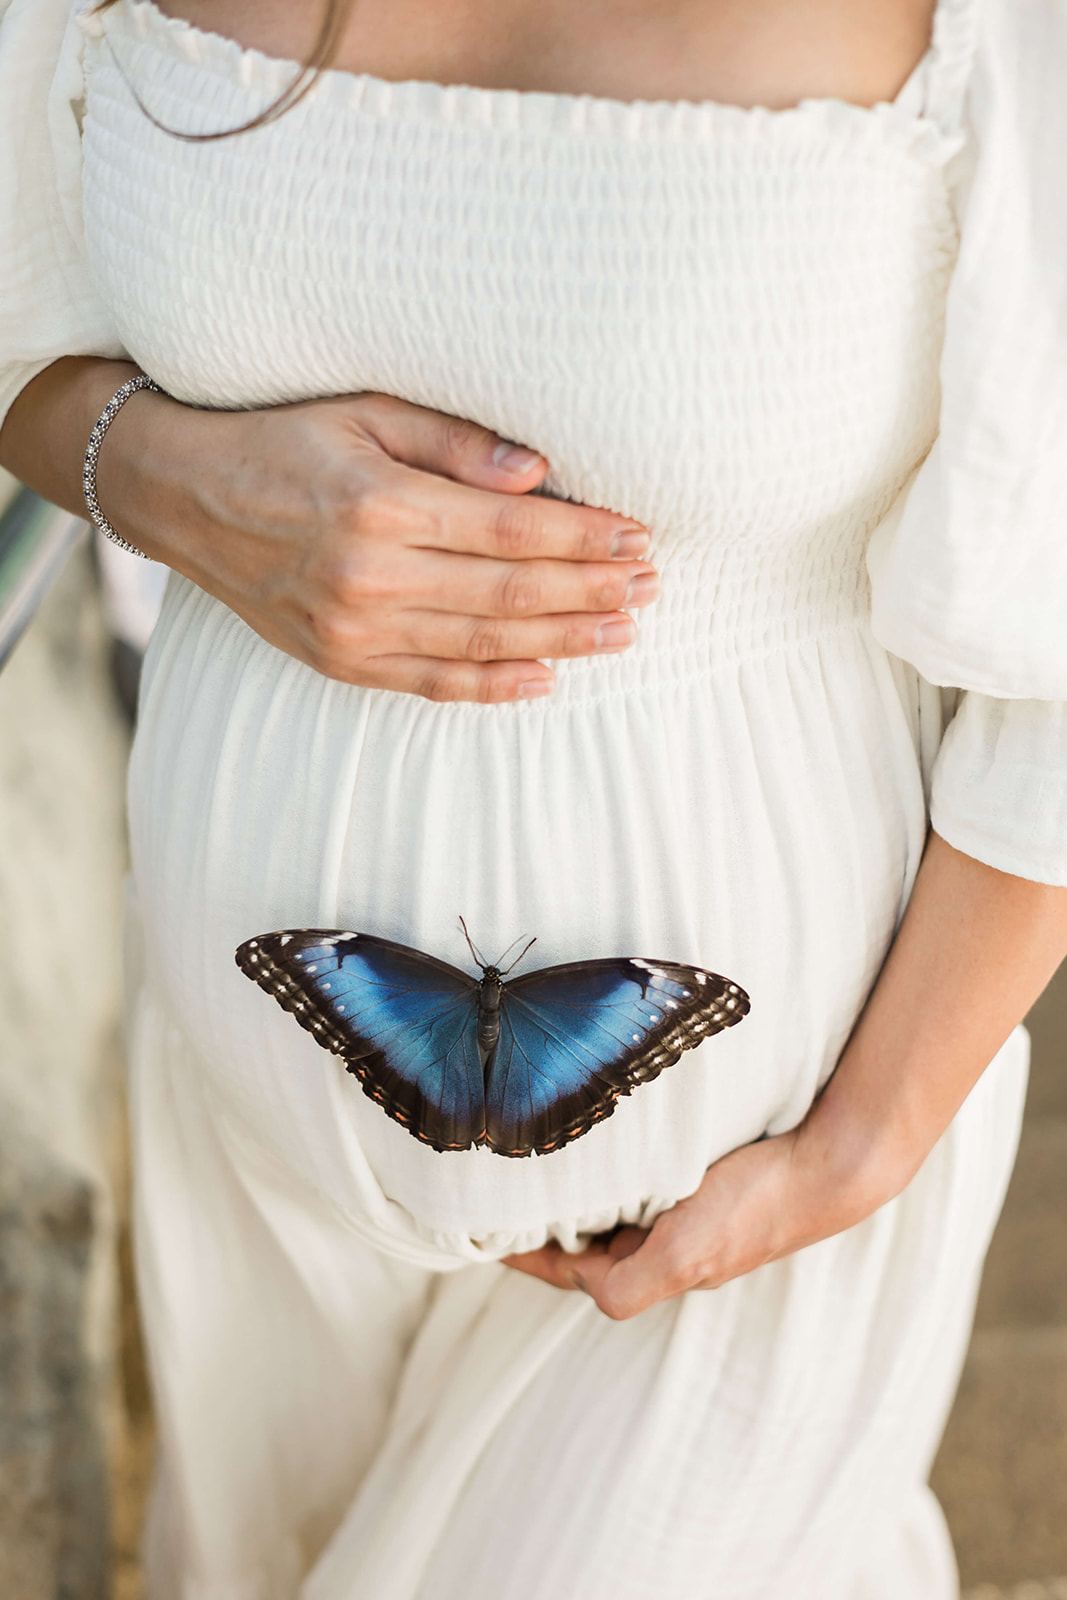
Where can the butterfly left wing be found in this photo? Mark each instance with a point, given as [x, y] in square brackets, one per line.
[575, 1038]
[404, 1023]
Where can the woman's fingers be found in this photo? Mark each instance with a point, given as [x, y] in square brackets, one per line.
[625, 1273]
[335, 653]
[432, 513]
[623, 1288]
[485, 587]
[443, 680]
[494, 639]
[556, 1266]
[448, 446]
[584, 1269]
[381, 576]
[550, 1264]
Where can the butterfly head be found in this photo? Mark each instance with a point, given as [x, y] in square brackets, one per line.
[491, 970]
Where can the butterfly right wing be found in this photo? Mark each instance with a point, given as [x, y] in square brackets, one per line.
[404, 1023]
[577, 1037]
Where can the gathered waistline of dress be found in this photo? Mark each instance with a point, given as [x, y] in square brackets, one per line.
[689, 636]
[650, 669]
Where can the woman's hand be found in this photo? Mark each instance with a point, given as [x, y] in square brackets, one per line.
[381, 543]
[758, 1203]
[974, 949]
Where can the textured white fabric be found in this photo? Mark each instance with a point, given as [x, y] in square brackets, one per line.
[1005, 759]
[969, 578]
[48, 305]
[972, 586]
[730, 325]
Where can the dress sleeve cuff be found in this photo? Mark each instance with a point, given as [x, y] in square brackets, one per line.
[1000, 786]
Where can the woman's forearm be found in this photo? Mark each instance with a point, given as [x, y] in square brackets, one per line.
[147, 468]
[974, 950]
[44, 436]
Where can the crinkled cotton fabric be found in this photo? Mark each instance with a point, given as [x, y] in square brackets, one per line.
[731, 325]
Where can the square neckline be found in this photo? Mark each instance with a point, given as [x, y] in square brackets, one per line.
[912, 100]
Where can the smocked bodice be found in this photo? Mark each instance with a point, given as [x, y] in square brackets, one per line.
[725, 323]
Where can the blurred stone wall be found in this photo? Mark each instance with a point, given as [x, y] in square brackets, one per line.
[62, 862]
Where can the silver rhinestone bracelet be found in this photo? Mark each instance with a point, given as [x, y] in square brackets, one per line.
[107, 417]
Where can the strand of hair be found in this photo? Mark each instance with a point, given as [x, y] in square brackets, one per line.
[323, 53]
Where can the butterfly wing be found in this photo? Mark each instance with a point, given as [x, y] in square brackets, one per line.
[404, 1023]
[574, 1038]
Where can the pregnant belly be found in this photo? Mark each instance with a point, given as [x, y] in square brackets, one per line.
[764, 823]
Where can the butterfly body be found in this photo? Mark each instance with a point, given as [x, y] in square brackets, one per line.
[490, 996]
[522, 1066]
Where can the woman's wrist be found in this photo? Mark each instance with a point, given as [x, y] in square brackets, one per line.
[143, 476]
[144, 461]
[852, 1158]
[974, 950]
[46, 431]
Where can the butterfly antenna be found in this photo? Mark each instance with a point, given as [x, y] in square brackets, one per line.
[520, 955]
[505, 953]
[473, 946]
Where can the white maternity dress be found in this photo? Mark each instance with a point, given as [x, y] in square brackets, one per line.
[732, 326]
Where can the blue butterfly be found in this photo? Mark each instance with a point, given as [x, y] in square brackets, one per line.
[522, 1066]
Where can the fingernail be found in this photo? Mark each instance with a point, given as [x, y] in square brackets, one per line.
[643, 588]
[515, 458]
[533, 688]
[615, 635]
[629, 544]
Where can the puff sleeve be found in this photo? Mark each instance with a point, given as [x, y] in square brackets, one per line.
[48, 305]
[969, 575]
